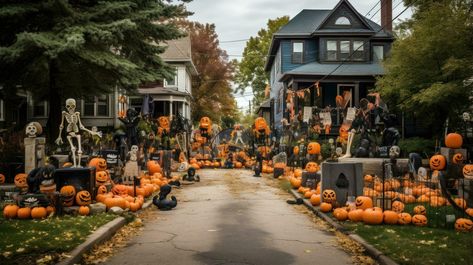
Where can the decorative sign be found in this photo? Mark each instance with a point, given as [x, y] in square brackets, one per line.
[326, 118]
[111, 156]
[307, 114]
[351, 112]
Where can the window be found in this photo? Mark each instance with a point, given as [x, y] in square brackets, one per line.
[96, 106]
[332, 50]
[358, 50]
[378, 53]
[39, 109]
[2, 111]
[136, 103]
[297, 52]
[344, 49]
[342, 21]
[172, 82]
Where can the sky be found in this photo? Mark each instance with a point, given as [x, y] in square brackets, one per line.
[237, 20]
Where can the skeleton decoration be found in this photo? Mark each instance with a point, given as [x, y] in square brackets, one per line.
[33, 129]
[74, 126]
[237, 134]
[466, 116]
[351, 135]
[133, 153]
[422, 174]
[394, 152]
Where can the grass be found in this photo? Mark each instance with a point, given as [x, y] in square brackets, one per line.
[25, 241]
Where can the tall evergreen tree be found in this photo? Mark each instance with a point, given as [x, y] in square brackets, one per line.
[58, 49]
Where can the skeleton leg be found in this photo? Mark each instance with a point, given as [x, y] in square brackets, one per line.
[73, 150]
[79, 150]
[351, 135]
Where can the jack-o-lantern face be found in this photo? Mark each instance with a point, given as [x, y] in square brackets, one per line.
[120, 190]
[102, 189]
[312, 167]
[20, 181]
[404, 218]
[68, 194]
[260, 124]
[457, 158]
[163, 122]
[343, 131]
[295, 150]
[264, 150]
[2, 179]
[419, 220]
[99, 163]
[397, 206]
[463, 225]
[83, 198]
[437, 162]
[205, 123]
[101, 178]
[329, 196]
[363, 202]
[313, 148]
[468, 171]
[420, 209]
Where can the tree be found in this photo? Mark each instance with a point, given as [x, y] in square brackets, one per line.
[211, 90]
[58, 49]
[251, 71]
[430, 64]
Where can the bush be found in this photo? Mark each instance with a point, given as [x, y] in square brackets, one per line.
[422, 146]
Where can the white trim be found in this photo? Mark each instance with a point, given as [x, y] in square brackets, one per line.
[2, 110]
[45, 106]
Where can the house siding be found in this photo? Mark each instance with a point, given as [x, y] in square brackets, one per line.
[310, 53]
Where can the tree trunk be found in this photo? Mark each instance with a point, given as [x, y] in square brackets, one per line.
[55, 103]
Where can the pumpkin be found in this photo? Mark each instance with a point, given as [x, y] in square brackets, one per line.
[260, 124]
[9, 212]
[295, 150]
[397, 206]
[404, 218]
[420, 209]
[460, 202]
[454, 140]
[2, 179]
[295, 182]
[83, 198]
[368, 178]
[469, 211]
[463, 225]
[325, 207]
[153, 167]
[20, 181]
[308, 194]
[164, 125]
[238, 165]
[84, 210]
[436, 201]
[68, 194]
[205, 123]
[356, 215]
[419, 220]
[468, 171]
[298, 173]
[67, 165]
[313, 148]
[315, 199]
[340, 214]
[363, 202]
[24, 213]
[390, 217]
[115, 202]
[50, 209]
[373, 216]
[99, 163]
[457, 158]
[437, 162]
[39, 213]
[303, 190]
[134, 206]
[312, 167]
[101, 178]
[102, 189]
[120, 190]
[329, 196]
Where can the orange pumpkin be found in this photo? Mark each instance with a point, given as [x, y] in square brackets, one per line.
[20, 181]
[24, 213]
[463, 225]
[99, 163]
[295, 150]
[102, 189]
[295, 182]
[39, 213]
[2, 179]
[120, 190]
[420, 209]
[437, 162]
[373, 216]
[460, 202]
[340, 214]
[134, 206]
[84, 210]
[101, 178]
[368, 178]
[83, 198]
[10, 211]
[454, 140]
[315, 199]
[312, 167]
[115, 202]
[325, 207]
[469, 211]
[457, 158]
[468, 171]
[390, 217]
[397, 206]
[313, 148]
[419, 220]
[309, 194]
[68, 194]
[356, 215]
[153, 167]
[298, 173]
[50, 209]
[363, 202]
[329, 196]
[404, 218]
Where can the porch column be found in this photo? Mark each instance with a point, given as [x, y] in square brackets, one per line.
[170, 107]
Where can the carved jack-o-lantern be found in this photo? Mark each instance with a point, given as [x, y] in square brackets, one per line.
[260, 124]
[20, 181]
[312, 167]
[437, 162]
[313, 148]
[419, 220]
[83, 198]
[99, 163]
[329, 196]
[164, 125]
[343, 131]
[120, 190]
[2, 179]
[205, 124]
[363, 202]
[295, 150]
[468, 171]
[101, 178]
[457, 158]
[68, 194]
[463, 225]
[102, 189]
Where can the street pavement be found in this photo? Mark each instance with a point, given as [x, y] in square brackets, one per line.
[232, 218]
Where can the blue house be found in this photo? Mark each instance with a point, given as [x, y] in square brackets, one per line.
[340, 49]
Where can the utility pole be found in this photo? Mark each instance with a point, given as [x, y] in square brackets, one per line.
[249, 109]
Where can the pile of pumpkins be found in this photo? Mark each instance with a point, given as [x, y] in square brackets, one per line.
[13, 211]
[205, 163]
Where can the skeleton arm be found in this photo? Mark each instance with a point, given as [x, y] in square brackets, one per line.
[82, 127]
[61, 126]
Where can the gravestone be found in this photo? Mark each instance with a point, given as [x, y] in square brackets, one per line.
[345, 178]
[34, 153]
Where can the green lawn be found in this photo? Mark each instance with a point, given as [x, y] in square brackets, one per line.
[25, 241]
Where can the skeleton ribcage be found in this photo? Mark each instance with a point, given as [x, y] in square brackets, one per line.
[72, 121]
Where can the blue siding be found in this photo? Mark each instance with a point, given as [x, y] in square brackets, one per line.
[310, 54]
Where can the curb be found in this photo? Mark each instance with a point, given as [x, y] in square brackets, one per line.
[369, 249]
[100, 235]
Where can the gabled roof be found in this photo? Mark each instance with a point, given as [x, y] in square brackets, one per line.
[342, 2]
[179, 50]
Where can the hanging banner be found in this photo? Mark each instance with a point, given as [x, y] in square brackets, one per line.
[351, 112]
[307, 114]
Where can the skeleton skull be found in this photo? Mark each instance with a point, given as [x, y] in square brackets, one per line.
[338, 151]
[422, 174]
[71, 105]
[31, 130]
[466, 116]
[394, 151]
[134, 149]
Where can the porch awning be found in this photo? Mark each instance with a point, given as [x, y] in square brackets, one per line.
[163, 91]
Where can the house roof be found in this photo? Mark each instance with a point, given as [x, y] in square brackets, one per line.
[264, 105]
[179, 51]
[162, 91]
[371, 69]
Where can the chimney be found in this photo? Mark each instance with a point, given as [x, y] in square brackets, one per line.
[387, 15]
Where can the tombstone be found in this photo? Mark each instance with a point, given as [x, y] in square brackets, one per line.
[310, 180]
[345, 178]
[80, 178]
[113, 160]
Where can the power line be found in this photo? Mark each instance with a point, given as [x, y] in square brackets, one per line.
[230, 41]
